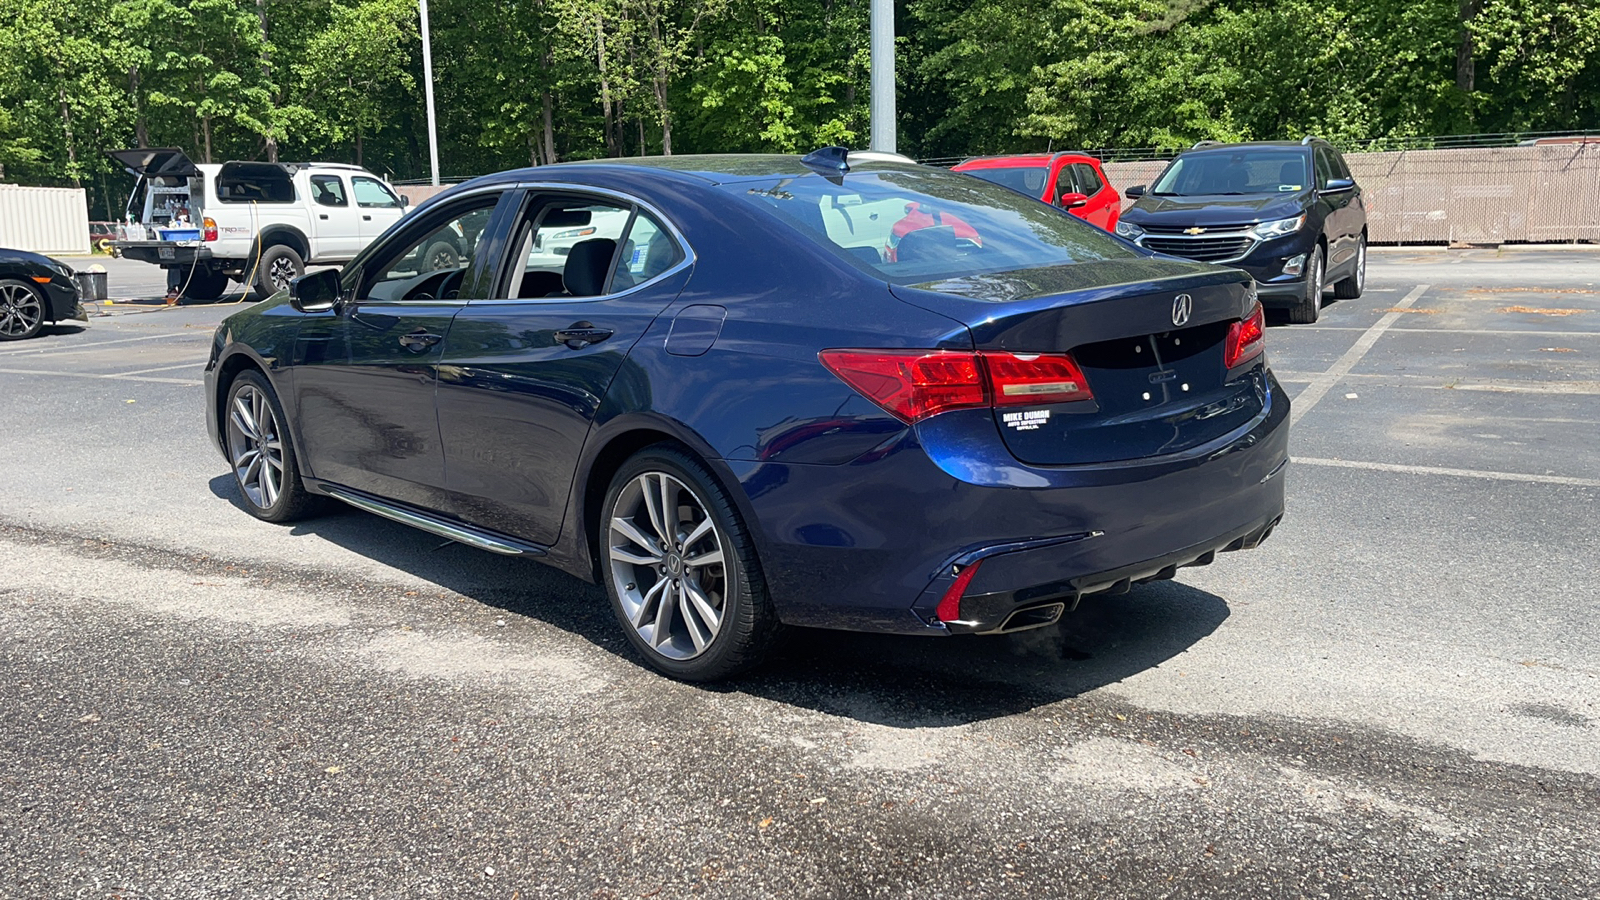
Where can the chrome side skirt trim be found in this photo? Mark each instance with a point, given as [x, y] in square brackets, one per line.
[462, 534]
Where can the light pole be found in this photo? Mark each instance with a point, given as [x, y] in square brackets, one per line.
[883, 75]
[427, 89]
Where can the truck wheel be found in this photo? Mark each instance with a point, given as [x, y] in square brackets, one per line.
[207, 284]
[441, 256]
[279, 265]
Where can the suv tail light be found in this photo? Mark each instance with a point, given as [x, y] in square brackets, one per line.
[916, 384]
[210, 226]
[1246, 338]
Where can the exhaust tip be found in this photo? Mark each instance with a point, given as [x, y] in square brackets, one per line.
[1032, 617]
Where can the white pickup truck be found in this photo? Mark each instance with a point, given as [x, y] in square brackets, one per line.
[256, 223]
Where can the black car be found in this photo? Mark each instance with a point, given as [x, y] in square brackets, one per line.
[1288, 213]
[35, 289]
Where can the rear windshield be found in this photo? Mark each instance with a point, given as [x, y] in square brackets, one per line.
[1024, 179]
[1253, 171]
[911, 225]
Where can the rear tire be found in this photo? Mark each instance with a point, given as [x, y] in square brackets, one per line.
[680, 569]
[441, 256]
[261, 452]
[279, 265]
[1351, 288]
[1308, 306]
[206, 284]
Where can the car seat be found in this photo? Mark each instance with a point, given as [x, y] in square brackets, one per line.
[588, 263]
[1290, 172]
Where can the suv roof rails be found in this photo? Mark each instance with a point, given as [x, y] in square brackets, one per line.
[1309, 138]
[1199, 144]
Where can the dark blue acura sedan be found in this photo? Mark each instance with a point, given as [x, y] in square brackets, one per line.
[748, 391]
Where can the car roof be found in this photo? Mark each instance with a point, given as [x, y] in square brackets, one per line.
[1206, 146]
[1017, 160]
[713, 168]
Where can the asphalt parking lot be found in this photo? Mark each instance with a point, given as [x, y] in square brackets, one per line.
[1397, 695]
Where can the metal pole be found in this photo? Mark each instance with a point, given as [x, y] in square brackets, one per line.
[883, 75]
[427, 87]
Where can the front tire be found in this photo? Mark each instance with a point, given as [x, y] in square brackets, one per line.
[262, 454]
[21, 310]
[1351, 288]
[279, 265]
[681, 571]
[1308, 307]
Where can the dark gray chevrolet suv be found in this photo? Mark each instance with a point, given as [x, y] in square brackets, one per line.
[1288, 213]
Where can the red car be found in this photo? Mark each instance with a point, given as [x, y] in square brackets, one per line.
[1072, 181]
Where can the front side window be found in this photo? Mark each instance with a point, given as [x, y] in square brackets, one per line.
[434, 265]
[328, 190]
[1089, 182]
[922, 225]
[372, 193]
[1065, 184]
[1235, 171]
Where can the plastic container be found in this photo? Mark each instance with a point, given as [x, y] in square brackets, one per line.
[179, 234]
[92, 284]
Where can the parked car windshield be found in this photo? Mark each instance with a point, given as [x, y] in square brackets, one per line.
[1024, 179]
[1253, 171]
[911, 225]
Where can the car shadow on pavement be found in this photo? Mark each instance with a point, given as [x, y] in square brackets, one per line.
[890, 680]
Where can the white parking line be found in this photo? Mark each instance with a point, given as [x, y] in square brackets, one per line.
[183, 381]
[85, 348]
[1307, 399]
[1457, 473]
[187, 365]
[1436, 383]
[1507, 332]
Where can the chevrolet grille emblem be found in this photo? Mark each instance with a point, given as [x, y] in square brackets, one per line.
[1195, 230]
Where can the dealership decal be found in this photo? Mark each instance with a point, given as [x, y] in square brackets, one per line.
[1026, 421]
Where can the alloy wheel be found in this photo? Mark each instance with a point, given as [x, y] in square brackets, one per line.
[255, 447]
[281, 272]
[20, 310]
[668, 564]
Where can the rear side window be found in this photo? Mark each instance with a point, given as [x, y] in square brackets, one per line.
[914, 226]
[372, 193]
[328, 190]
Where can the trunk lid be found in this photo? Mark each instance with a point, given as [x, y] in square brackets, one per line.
[1158, 378]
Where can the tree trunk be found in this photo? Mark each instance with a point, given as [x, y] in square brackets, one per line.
[605, 86]
[549, 129]
[359, 148]
[205, 133]
[266, 82]
[141, 128]
[1465, 68]
[72, 146]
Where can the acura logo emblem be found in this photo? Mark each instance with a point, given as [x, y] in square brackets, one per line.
[1182, 307]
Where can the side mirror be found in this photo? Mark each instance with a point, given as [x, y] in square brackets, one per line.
[1072, 201]
[405, 200]
[315, 291]
[1338, 185]
[1134, 192]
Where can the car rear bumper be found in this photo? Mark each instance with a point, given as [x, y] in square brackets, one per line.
[164, 253]
[874, 545]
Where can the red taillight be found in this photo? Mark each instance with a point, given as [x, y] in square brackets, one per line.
[949, 608]
[912, 384]
[1246, 338]
[916, 384]
[1028, 379]
[210, 226]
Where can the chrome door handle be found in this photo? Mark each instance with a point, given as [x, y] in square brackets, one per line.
[581, 334]
[419, 340]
